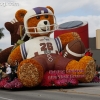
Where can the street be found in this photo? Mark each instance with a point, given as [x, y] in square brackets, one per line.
[84, 91]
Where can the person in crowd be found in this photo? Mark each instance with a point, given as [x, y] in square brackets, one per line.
[2, 70]
[13, 74]
[8, 70]
[98, 70]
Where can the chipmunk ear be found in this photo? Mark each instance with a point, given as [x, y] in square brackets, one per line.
[50, 8]
[9, 26]
[19, 15]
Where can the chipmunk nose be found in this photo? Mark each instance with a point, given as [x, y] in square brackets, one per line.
[45, 22]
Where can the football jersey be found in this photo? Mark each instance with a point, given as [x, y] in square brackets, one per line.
[40, 45]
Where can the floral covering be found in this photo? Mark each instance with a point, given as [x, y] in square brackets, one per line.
[13, 84]
[85, 68]
[20, 14]
[58, 78]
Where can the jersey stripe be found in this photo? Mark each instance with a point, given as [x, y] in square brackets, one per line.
[23, 51]
[58, 43]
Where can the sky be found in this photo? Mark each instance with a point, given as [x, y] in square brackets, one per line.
[64, 10]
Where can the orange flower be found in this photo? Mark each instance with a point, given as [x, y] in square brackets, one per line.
[85, 67]
[30, 73]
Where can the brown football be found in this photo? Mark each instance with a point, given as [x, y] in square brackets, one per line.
[74, 50]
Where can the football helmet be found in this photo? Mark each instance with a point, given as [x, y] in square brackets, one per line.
[43, 27]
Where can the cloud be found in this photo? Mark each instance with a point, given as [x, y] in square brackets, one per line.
[93, 24]
[65, 10]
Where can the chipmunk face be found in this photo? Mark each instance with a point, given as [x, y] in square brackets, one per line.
[39, 21]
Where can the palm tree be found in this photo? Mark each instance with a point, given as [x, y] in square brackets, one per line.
[1, 33]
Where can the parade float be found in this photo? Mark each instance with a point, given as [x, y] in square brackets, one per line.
[45, 61]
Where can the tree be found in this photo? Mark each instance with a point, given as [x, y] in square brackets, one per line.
[0, 50]
[1, 33]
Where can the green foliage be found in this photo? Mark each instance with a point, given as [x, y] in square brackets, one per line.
[1, 33]
[0, 50]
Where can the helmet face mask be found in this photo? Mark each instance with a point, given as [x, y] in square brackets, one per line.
[43, 27]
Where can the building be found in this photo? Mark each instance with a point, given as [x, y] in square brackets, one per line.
[96, 52]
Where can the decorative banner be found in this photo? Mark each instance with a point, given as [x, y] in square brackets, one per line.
[60, 78]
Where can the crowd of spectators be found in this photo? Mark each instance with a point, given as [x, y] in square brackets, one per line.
[7, 70]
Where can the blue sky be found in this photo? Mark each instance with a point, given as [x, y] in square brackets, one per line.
[65, 11]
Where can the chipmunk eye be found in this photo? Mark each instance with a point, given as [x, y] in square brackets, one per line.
[46, 16]
[38, 17]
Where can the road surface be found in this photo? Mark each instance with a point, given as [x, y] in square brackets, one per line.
[89, 91]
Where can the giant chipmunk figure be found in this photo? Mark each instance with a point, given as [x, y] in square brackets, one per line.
[41, 53]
